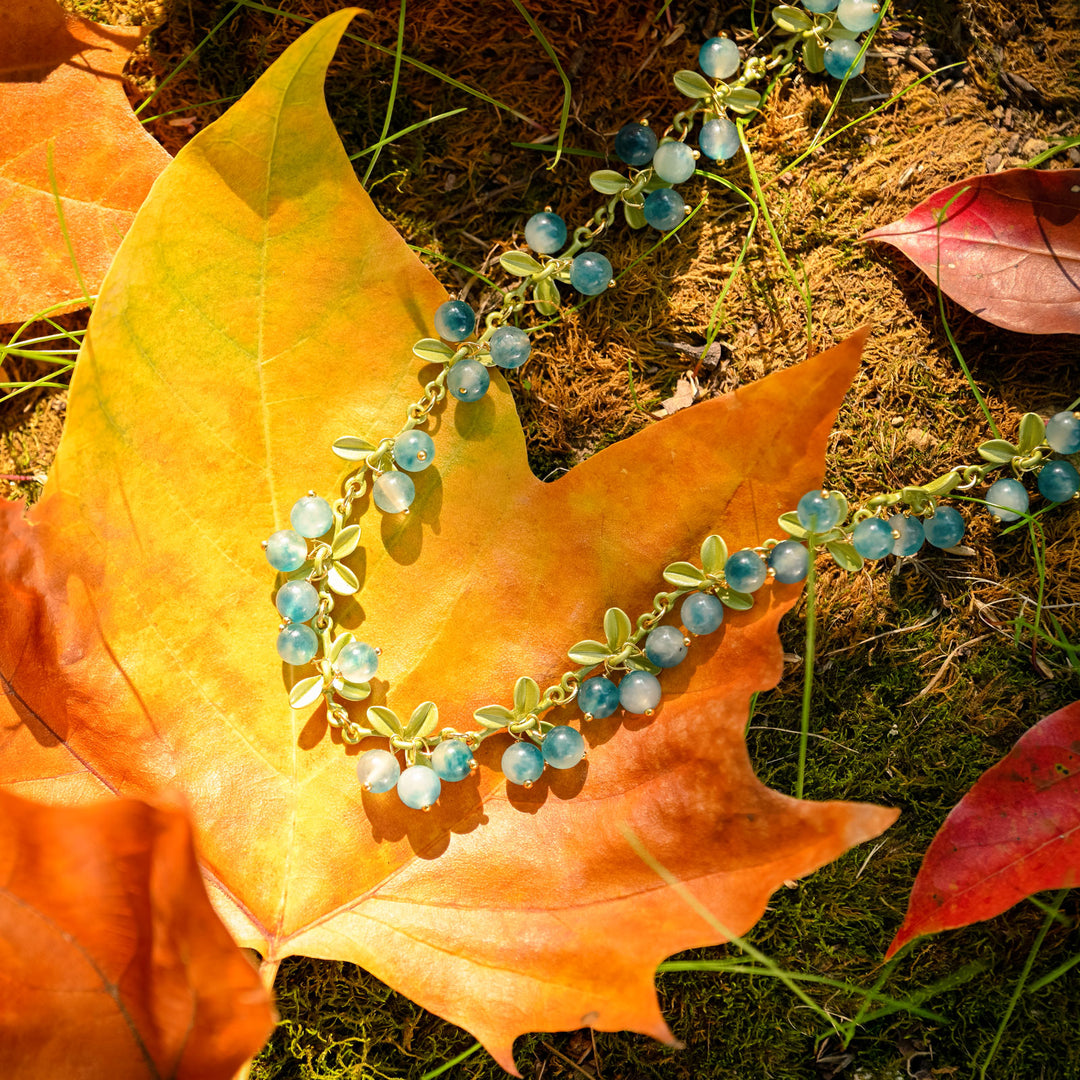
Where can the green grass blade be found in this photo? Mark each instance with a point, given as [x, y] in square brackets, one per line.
[447, 1065]
[388, 115]
[564, 115]
[188, 108]
[63, 225]
[405, 131]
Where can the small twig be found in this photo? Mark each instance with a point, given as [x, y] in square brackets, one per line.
[569, 1061]
[888, 633]
[948, 659]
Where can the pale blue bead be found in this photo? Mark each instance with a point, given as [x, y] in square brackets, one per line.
[286, 550]
[639, 692]
[818, 511]
[454, 320]
[452, 760]
[414, 451]
[311, 516]
[790, 560]
[378, 770]
[719, 58]
[1058, 481]
[911, 534]
[590, 273]
[701, 613]
[522, 763]
[745, 571]
[819, 7]
[719, 139]
[509, 347]
[665, 646]
[357, 662]
[635, 144]
[674, 162]
[297, 601]
[563, 747]
[873, 538]
[858, 15]
[664, 208]
[598, 697]
[1007, 500]
[1063, 432]
[545, 232]
[419, 787]
[840, 59]
[468, 380]
[297, 644]
[944, 528]
[393, 492]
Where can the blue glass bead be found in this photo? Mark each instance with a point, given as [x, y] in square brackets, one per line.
[635, 144]
[665, 646]
[1058, 481]
[818, 511]
[452, 760]
[357, 662]
[664, 208]
[393, 492]
[311, 516]
[701, 613]
[1007, 500]
[674, 162]
[563, 747]
[820, 7]
[745, 571]
[639, 692]
[858, 15]
[419, 787]
[1063, 432]
[468, 380]
[719, 139]
[297, 601]
[509, 347]
[944, 528]
[286, 550]
[414, 451]
[378, 770]
[911, 534]
[522, 763]
[297, 644]
[545, 232]
[873, 538]
[719, 58]
[840, 59]
[598, 697]
[590, 273]
[790, 561]
[454, 320]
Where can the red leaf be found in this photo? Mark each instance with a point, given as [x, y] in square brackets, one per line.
[1016, 832]
[1008, 248]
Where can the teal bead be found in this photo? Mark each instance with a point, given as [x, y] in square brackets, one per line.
[598, 697]
[745, 571]
[419, 786]
[674, 162]
[297, 601]
[719, 58]
[357, 662]
[911, 535]
[701, 613]
[719, 139]
[563, 747]
[818, 511]
[545, 232]
[665, 647]
[522, 763]
[378, 770]
[944, 528]
[468, 380]
[1058, 481]
[840, 59]
[639, 692]
[393, 492]
[452, 760]
[790, 562]
[414, 451]
[858, 15]
[454, 320]
[664, 209]
[1007, 500]
[509, 347]
[286, 550]
[297, 644]
[590, 273]
[873, 538]
[635, 144]
[1063, 432]
[311, 516]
